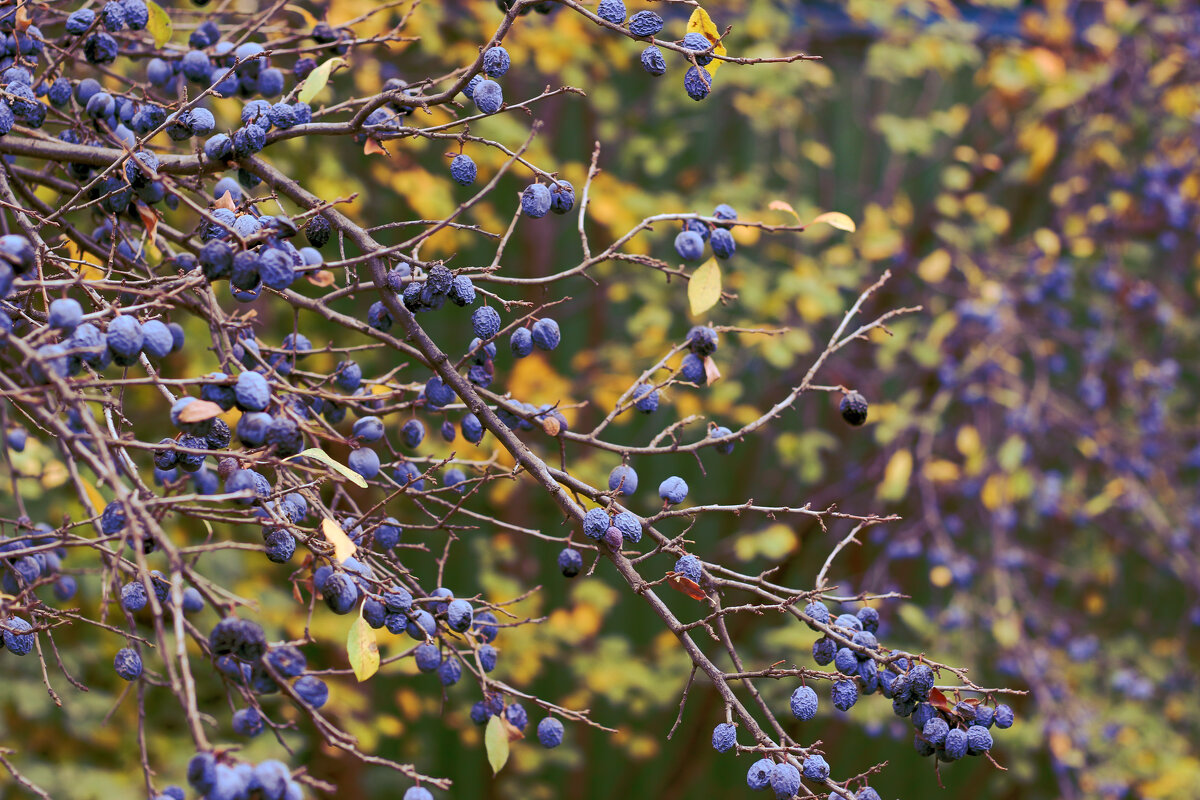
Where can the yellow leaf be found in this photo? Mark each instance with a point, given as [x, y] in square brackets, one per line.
[97, 499]
[343, 548]
[704, 289]
[309, 20]
[320, 455]
[363, 649]
[159, 24]
[496, 740]
[836, 219]
[700, 22]
[317, 79]
[935, 266]
[896, 475]
[779, 205]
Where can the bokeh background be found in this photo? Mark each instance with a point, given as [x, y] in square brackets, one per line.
[1029, 174]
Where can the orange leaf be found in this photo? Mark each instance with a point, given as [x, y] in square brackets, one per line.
[939, 701]
[373, 147]
[343, 548]
[711, 373]
[779, 205]
[226, 201]
[149, 218]
[321, 277]
[686, 585]
[198, 411]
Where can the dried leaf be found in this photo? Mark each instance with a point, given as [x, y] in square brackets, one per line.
[514, 733]
[317, 79]
[700, 22]
[363, 649]
[779, 205]
[23, 20]
[711, 373]
[321, 277]
[320, 455]
[837, 219]
[704, 289]
[198, 411]
[939, 701]
[496, 741]
[686, 585]
[159, 24]
[343, 548]
[372, 147]
[226, 201]
[149, 219]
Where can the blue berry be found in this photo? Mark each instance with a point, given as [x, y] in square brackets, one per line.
[349, 376]
[413, 432]
[645, 23]
[570, 562]
[133, 597]
[369, 429]
[1003, 716]
[645, 398]
[251, 392]
[450, 671]
[247, 722]
[550, 732]
[611, 11]
[546, 335]
[673, 490]
[486, 322]
[815, 768]
[724, 737]
[496, 61]
[459, 615]
[417, 793]
[697, 82]
[845, 695]
[125, 337]
[488, 96]
[722, 243]
[630, 526]
[595, 523]
[785, 780]
[65, 315]
[848, 621]
[845, 661]
[311, 690]
[725, 211]
[935, 731]
[515, 713]
[623, 480]
[535, 201]
[824, 650]
[521, 342]
[340, 592]
[472, 429]
[689, 246]
[79, 21]
[562, 197]
[854, 408]
[653, 61]
[128, 664]
[689, 567]
[956, 744]
[979, 740]
[759, 776]
[462, 169]
[869, 618]
[804, 703]
[365, 462]
[698, 43]
[692, 369]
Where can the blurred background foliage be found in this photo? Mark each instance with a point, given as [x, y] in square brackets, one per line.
[1029, 174]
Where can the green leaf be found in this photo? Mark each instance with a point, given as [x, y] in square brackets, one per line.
[496, 740]
[363, 649]
[704, 289]
[317, 79]
[159, 24]
[320, 455]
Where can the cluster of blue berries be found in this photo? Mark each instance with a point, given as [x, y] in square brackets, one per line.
[690, 242]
